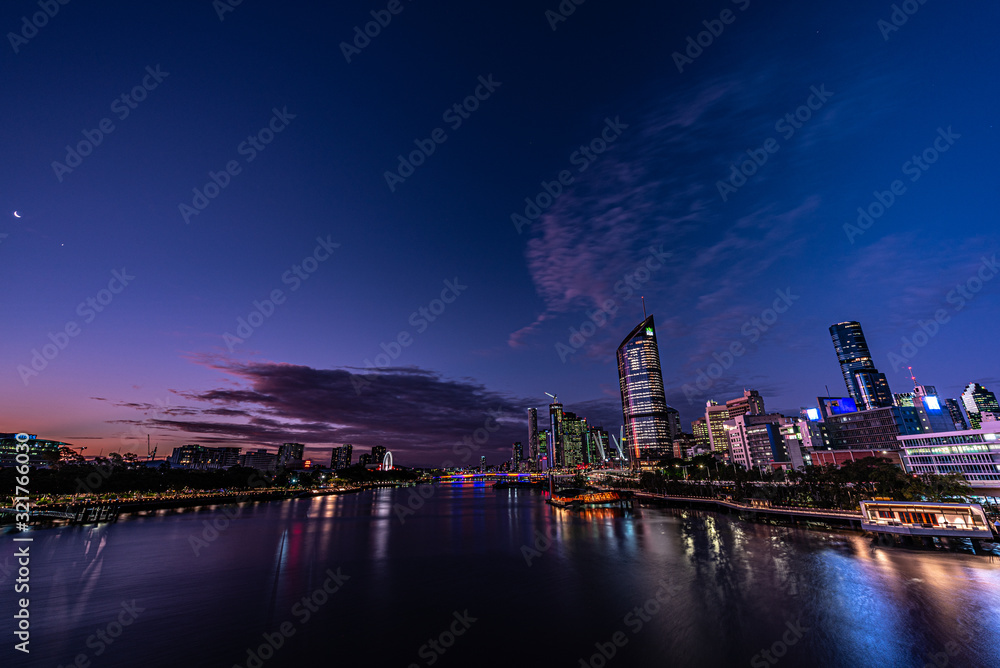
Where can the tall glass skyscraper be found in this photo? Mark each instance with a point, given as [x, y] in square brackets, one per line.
[644, 403]
[979, 400]
[865, 384]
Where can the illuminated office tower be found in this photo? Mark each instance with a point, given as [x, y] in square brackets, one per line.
[378, 454]
[865, 384]
[644, 404]
[517, 454]
[556, 435]
[716, 417]
[289, 453]
[957, 416]
[979, 400]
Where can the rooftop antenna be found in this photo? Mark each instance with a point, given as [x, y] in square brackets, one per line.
[913, 378]
[643, 308]
[827, 390]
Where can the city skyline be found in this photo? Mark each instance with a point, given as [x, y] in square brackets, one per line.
[227, 262]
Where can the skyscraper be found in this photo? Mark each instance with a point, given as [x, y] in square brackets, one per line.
[978, 400]
[865, 384]
[556, 435]
[378, 454]
[644, 403]
[517, 454]
[533, 434]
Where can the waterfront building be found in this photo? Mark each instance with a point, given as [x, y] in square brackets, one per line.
[517, 454]
[556, 435]
[41, 452]
[977, 400]
[674, 422]
[973, 453]
[482, 463]
[865, 384]
[757, 440]
[544, 461]
[340, 458]
[644, 403]
[365, 459]
[378, 454]
[194, 456]
[262, 460]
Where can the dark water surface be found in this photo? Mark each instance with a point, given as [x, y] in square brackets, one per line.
[727, 589]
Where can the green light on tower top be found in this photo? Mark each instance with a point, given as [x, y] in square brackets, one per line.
[649, 331]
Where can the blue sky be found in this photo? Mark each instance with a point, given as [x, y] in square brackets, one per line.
[155, 360]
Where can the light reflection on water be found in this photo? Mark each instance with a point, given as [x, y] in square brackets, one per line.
[735, 587]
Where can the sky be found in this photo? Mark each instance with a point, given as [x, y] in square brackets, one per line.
[253, 224]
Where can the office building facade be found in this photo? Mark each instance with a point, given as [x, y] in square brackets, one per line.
[644, 403]
[865, 384]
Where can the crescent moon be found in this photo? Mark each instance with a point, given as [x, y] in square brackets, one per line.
[17, 215]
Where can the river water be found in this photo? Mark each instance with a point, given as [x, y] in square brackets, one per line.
[477, 577]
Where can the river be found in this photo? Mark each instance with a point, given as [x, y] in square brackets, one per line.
[469, 576]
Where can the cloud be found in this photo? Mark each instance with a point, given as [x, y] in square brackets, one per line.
[412, 410]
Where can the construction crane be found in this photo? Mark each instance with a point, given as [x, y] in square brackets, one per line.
[150, 455]
[555, 400]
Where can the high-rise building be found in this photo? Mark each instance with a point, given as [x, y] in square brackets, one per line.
[977, 400]
[517, 454]
[365, 459]
[482, 463]
[716, 416]
[957, 416]
[699, 431]
[290, 452]
[544, 461]
[341, 457]
[674, 423]
[378, 454]
[556, 436]
[865, 384]
[751, 403]
[195, 456]
[644, 403]
[533, 434]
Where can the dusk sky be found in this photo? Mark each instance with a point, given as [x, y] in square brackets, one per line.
[356, 254]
